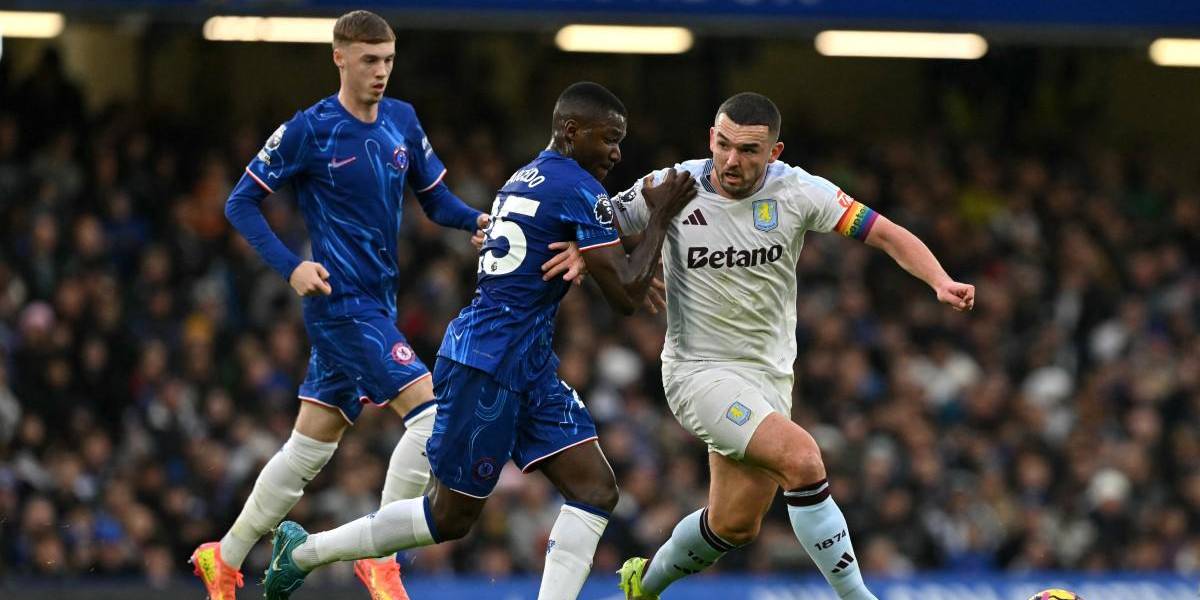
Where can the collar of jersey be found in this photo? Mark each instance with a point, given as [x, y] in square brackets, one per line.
[551, 154]
[704, 175]
[345, 112]
[708, 187]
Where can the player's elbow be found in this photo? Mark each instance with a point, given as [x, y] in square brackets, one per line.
[231, 208]
[886, 235]
[630, 242]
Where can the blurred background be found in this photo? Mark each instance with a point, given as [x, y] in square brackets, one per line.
[149, 359]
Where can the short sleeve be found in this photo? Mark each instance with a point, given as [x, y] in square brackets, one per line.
[282, 156]
[834, 210]
[632, 212]
[427, 169]
[591, 212]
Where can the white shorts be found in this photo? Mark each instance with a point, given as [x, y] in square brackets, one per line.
[723, 403]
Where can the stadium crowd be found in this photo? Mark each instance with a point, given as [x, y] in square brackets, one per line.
[149, 360]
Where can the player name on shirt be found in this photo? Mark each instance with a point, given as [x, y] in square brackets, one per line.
[507, 330]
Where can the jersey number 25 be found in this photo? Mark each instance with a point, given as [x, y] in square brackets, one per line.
[489, 263]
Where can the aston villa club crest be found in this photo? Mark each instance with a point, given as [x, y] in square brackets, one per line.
[738, 413]
[766, 214]
[400, 158]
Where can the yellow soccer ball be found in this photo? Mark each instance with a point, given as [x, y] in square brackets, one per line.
[1055, 594]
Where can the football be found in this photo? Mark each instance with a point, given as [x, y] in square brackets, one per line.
[1055, 594]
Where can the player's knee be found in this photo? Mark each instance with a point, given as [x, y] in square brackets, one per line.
[453, 515]
[735, 529]
[803, 466]
[453, 527]
[601, 495]
[454, 531]
[607, 497]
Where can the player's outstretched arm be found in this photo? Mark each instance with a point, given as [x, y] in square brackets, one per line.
[623, 278]
[448, 210]
[656, 295]
[914, 256]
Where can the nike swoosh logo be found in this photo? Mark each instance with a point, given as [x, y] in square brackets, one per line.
[335, 163]
[275, 563]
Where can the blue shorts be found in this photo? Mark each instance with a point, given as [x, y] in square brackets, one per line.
[358, 360]
[480, 424]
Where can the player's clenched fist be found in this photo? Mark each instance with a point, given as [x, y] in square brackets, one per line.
[669, 197]
[310, 279]
[481, 225]
[960, 296]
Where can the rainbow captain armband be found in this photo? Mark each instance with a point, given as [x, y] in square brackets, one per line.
[857, 221]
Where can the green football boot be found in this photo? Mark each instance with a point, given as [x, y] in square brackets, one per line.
[283, 576]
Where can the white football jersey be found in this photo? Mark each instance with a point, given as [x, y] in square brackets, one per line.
[730, 265]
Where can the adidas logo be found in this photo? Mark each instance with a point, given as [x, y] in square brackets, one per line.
[847, 558]
[696, 218]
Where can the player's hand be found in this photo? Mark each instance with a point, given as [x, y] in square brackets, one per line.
[310, 279]
[569, 261]
[669, 197]
[656, 296]
[481, 223]
[960, 296]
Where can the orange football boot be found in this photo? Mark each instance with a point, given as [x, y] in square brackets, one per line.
[220, 579]
[381, 579]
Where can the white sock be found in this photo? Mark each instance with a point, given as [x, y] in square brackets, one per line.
[821, 529]
[570, 549]
[408, 471]
[401, 525]
[692, 548]
[278, 488]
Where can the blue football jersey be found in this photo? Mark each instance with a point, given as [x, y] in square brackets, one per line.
[508, 327]
[349, 178]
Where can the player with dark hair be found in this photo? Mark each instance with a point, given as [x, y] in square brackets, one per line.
[498, 391]
[730, 266]
[349, 158]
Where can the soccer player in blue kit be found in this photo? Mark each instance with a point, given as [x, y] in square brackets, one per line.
[498, 392]
[349, 158]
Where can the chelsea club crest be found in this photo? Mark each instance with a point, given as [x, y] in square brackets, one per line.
[399, 158]
[766, 214]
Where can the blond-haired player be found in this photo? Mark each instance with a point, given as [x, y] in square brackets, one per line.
[349, 158]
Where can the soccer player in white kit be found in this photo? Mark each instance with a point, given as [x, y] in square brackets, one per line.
[730, 267]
